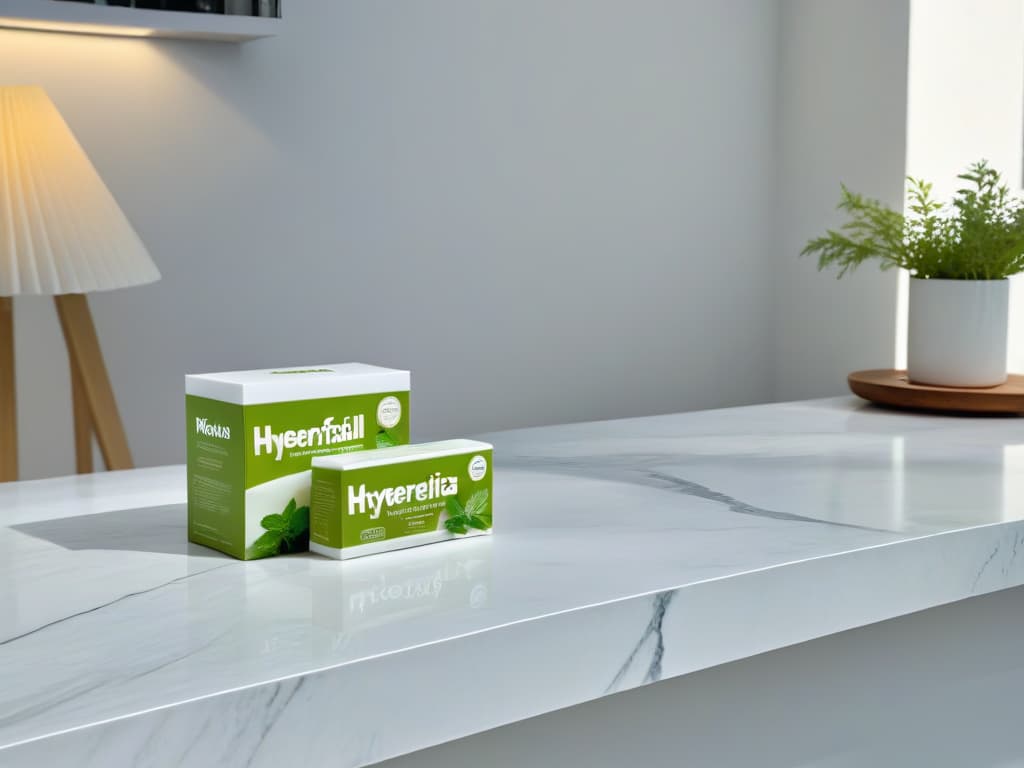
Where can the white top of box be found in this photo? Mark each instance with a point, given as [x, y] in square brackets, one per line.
[380, 456]
[276, 385]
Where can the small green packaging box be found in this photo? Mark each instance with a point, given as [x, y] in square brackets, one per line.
[400, 497]
[251, 437]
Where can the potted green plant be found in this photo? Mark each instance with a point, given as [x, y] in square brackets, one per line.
[959, 256]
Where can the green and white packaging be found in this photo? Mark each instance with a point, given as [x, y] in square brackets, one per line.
[252, 435]
[401, 497]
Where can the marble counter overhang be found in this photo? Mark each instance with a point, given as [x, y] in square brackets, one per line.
[625, 552]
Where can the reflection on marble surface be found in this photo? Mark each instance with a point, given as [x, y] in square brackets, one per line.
[345, 602]
[646, 548]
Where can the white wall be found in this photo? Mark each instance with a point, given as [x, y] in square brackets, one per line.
[965, 102]
[548, 211]
[842, 112]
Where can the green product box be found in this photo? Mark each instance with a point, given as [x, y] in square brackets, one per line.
[251, 437]
[394, 498]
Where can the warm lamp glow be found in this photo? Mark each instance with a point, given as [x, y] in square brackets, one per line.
[61, 231]
[81, 28]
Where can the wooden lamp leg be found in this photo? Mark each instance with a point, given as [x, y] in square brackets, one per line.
[93, 399]
[83, 422]
[8, 411]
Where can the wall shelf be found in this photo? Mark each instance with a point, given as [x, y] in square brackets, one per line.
[85, 18]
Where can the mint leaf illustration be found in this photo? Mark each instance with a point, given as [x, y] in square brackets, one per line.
[385, 439]
[477, 504]
[266, 545]
[296, 536]
[285, 532]
[476, 513]
[457, 524]
[298, 523]
[455, 508]
[273, 523]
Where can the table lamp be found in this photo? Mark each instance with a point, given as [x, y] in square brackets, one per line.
[62, 234]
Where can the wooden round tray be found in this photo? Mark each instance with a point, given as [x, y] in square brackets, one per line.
[889, 387]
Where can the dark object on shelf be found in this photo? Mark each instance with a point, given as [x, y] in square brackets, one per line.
[262, 8]
[265, 8]
[891, 387]
[193, 6]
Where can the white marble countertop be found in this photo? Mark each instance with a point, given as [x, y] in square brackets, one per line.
[624, 552]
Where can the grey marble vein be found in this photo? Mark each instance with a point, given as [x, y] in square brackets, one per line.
[984, 567]
[65, 696]
[741, 507]
[181, 656]
[367, 753]
[108, 604]
[14, 711]
[1013, 554]
[653, 629]
[196, 743]
[295, 685]
[631, 469]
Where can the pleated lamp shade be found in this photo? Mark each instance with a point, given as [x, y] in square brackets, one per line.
[61, 231]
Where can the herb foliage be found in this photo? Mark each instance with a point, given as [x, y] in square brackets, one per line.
[475, 514]
[978, 236]
[386, 440]
[283, 533]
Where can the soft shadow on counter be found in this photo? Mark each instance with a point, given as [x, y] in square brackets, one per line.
[145, 529]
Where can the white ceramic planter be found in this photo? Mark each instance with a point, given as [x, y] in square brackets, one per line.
[957, 332]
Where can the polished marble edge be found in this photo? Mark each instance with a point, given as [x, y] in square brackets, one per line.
[523, 669]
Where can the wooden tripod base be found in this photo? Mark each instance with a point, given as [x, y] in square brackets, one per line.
[92, 399]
